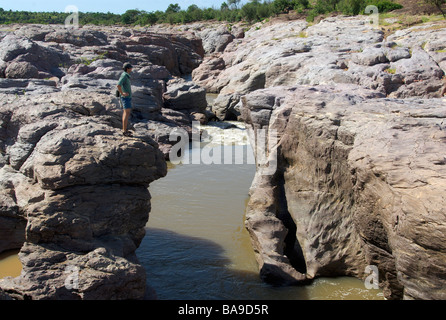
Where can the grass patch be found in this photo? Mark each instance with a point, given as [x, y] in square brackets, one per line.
[87, 62]
[391, 22]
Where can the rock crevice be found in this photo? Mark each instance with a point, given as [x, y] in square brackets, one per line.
[357, 192]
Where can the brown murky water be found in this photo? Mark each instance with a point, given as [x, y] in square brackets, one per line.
[196, 246]
[10, 265]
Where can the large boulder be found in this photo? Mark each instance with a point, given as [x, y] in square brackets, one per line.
[208, 71]
[185, 95]
[21, 70]
[180, 53]
[81, 189]
[24, 58]
[216, 40]
[351, 183]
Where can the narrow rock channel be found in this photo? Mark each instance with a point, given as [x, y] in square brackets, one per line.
[196, 244]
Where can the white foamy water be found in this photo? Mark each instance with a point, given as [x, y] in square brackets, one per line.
[224, 134]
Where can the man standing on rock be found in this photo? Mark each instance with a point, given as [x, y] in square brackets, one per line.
[125, 90]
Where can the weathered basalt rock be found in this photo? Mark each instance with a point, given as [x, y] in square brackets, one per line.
[181, 95]
[82, 189]
[337, 50]
[89, 61]
[359, 182]
[74, 196]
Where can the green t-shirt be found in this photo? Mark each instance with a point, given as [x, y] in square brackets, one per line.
[124, 82]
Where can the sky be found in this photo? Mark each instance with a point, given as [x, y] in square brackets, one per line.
[113, 6]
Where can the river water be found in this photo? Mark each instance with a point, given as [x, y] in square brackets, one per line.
[196, 246]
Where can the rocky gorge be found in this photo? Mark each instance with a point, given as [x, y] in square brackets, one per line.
[360, 168]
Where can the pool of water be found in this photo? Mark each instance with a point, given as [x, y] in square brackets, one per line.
[10, 265]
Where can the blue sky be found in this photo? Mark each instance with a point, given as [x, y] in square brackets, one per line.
[114, 6]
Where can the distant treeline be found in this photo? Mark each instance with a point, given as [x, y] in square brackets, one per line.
[230, 11]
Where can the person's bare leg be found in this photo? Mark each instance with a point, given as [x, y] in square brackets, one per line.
[125, 119]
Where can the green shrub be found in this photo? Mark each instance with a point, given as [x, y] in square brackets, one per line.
[351, 7]
[311, 15]
[249, 11]
[325, 6]
[383, 5]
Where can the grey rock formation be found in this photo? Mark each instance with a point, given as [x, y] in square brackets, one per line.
[24, 58]
[77, 37]
[52, 49]
[83, 191]
[359, 182]
[181, 95]
[216, 40]
[74, 196]
[90, 60]
[337, 50]
[21, 70]
[360, 169]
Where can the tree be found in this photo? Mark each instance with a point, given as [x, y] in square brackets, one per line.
[130, 16]
[283, 6]
[192, 8]
[148, 18]
[195, 13]
[173, 8]
[249, 10]
[439, 5]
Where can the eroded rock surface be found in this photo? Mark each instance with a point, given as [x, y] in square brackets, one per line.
[74, 196]
[82, 189]
[359, 182]
[39, 60]
[338, 50]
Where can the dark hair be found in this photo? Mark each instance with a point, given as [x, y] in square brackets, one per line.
[127, 66]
